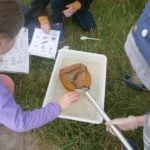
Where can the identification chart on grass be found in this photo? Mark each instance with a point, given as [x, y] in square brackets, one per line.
[17, 59]
[44, 45]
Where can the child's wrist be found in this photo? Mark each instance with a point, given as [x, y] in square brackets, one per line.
[76, 5]
[43, 20]
[60, 104]
[141, 120]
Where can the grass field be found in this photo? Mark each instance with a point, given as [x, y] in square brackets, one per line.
[114, 19]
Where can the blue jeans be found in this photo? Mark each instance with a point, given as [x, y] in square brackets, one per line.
[30, 23]
[82, 17]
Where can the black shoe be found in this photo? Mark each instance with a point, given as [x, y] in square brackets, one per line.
[136, 86]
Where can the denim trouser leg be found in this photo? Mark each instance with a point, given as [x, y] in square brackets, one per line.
[57, 7]
[84, 19]
[30, 24]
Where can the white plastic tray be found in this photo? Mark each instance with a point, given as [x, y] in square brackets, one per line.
[83, 110]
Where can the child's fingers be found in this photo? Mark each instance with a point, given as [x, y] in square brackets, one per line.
[65, 12]
[68, 12]
[108, 129]
[73, 96]
[45, 28]
[48, 28]
[67, 6]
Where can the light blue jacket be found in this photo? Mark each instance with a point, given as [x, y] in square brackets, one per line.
[141, 33]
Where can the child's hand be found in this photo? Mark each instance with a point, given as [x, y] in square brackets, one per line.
[124, 124]
[69, 11]
[46, 28]
[72, 8]
[44, 23]
[68, 99]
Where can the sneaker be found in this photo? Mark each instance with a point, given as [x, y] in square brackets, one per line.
[59, 27]
[134, 83]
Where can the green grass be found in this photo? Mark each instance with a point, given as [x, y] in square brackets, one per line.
[114, 19]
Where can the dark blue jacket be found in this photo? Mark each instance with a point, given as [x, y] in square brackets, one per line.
[38, 7]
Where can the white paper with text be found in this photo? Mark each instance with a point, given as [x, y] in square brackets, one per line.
[17, 59]
[44, 45]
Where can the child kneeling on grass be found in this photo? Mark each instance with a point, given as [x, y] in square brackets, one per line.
[78, 9]
[11, 114]
[137, 47]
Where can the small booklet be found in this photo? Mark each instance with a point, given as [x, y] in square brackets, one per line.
[17, 59]
[44, 45]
